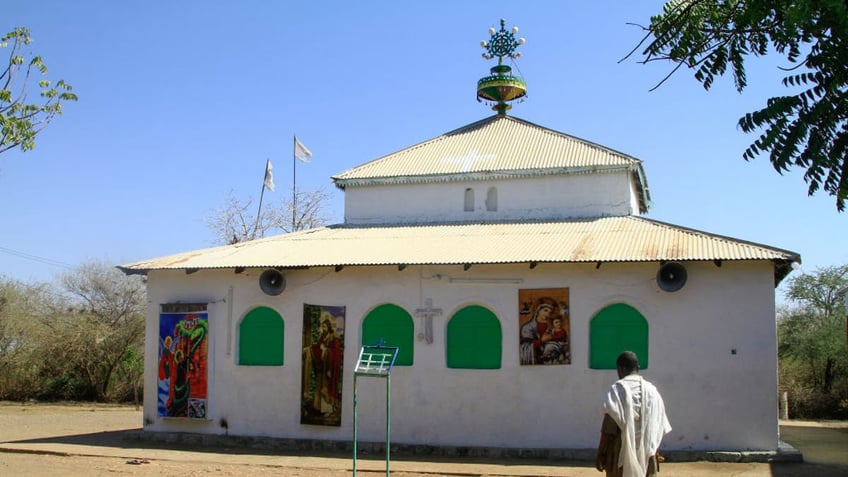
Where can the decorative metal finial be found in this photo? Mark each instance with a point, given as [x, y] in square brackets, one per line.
[501, 86]
[503, 43]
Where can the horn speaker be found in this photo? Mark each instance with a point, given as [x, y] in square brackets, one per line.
[272, 282]
[671, 276]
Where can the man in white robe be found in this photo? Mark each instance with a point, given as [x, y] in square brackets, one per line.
[634, 424]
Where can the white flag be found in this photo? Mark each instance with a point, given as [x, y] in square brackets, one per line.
[269, 178]
[301, 153]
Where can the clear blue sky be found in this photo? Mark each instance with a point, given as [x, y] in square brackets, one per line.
[182, 102]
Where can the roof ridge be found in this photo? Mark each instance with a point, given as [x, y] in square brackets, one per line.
[446, 223]
[414, 146]
[576, 138]
[365, 171]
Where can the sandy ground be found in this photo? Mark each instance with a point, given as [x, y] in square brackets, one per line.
[38, 422]
[91, 440]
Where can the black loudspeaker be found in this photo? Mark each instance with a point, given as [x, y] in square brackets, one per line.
[671, 276]
[272, 282]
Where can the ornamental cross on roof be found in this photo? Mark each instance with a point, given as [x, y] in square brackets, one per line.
[501, 86]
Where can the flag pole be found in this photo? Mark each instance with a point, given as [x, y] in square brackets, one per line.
[294, 184]
[267, 183]
[258, 212]
[261, 196]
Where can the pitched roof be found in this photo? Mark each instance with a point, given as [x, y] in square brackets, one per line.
[499, 146]
[608, 239]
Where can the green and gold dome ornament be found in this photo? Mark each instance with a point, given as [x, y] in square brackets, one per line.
[501, 86]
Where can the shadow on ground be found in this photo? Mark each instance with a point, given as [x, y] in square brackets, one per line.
[134, 439]
[825, 452]
[124, 439]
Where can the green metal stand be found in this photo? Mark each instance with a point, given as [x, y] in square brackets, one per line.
[375, 362]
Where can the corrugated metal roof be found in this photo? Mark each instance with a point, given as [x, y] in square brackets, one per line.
[609, 239]
[498, 144]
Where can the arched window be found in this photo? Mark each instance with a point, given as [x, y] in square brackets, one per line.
[260, 338]
[492, 199]
[614, 329]
[394, 326]
[469, 200]
[474, 339]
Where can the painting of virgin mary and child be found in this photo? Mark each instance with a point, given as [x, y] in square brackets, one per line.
[544, 326]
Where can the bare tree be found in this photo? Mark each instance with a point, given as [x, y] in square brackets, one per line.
[236, 221]
[311, 211]
[106, 324]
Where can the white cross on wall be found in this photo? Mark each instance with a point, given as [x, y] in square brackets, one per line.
[426, 315]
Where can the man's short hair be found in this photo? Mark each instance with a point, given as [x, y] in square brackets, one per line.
[628, 362]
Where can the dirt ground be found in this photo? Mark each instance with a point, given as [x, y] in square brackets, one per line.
[41, 422]
[92, 440]
[23, 465]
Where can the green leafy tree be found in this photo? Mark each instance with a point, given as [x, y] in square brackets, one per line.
[20, 120]
[807, 128]
[812, 341]
[21, 308]
[81, 339]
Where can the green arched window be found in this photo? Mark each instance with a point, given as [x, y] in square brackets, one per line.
[474, 339]
[261, 337]
[394, 326]
[614, 329]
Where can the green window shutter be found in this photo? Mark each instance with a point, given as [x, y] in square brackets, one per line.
[261, 337]
[614, 329]
[394, 326]
[474, 339]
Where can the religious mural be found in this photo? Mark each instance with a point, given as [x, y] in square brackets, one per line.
[183, 355]
[544, 326]
[323, 356]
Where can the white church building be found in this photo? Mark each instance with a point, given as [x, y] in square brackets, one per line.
[510, 264]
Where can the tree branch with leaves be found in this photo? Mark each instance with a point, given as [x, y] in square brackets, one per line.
[807, 128]
[21, 121]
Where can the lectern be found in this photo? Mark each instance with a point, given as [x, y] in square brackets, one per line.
[375, 362]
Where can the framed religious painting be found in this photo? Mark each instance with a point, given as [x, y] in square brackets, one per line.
[544, 326]
[323, 363]
[183, 360]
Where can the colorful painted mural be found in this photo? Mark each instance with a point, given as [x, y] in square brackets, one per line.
[323, 356]
[544, 326]
[183, 361]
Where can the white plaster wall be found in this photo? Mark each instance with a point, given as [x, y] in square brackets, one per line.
[546, 197]
[712, 355]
